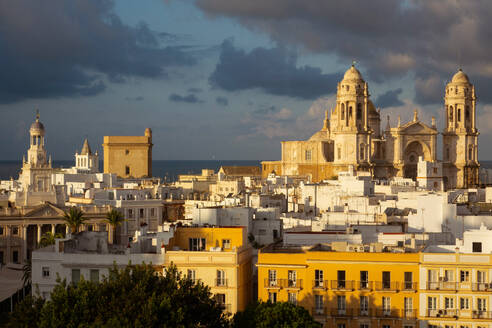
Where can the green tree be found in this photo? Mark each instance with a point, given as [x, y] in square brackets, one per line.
[132, 297]
[49, 239]
[74, 218]
[114, 218]
[274, 315]
[26, 272]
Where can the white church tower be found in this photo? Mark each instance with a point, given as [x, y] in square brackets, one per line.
[86, 161]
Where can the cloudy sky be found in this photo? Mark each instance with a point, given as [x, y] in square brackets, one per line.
[227, 79]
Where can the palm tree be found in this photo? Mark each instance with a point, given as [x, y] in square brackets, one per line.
[114, 218]
[49, 239]
[74, 218]
[26, 273]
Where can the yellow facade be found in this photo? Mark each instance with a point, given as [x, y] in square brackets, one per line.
[218, 256]
[343, 289]
[128, 156]
[444, 290]
[456, 290]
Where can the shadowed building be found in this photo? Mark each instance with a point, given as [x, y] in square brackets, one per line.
[128, 156]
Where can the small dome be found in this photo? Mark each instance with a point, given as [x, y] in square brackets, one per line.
[460, 77]
[352, 74]
[37, 127]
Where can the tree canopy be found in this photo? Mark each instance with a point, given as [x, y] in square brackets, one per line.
[74, 218]
[132, 297]
[274, 315]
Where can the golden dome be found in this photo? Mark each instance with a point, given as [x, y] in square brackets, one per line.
[352, 74]
[460, 77]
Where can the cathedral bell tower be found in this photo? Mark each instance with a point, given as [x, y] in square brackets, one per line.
[460, 135]
[36, 154]
[350, 121]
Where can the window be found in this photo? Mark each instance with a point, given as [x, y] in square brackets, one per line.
[221, 278]
[408, 305]
[341, 303]
[477, 246]
[464, 303]
[359, 111]
[75, 276]
[386, 279]
[293, 298]
[127, 152]
[481, 304]
[15, 231]
[361, 151]
[272, 297]
[339, 153]
[364, 280]
[431, 303]
[196, 244]
[343, 113]
[450, 113]
[386, 304]
[464, 276]
[448, 275]
[272, 277]
[408, 280]
[1, 231]
[46, 272]
[220, 298]
[191, 274]
[275, 234]
[481, 276]
[308, 155]
[94, 275]
[15, 256]
[318, 278]
[318, 302]
[1, 258]
[340, 325]
[292, 275]
[130, 213]
[152, 212]
[448, 303]
[363, 325]
[364, 304]
[127, 170]
[341, 279]
[226, 243]
[434, 170]
[142, 211]
[459, 114]
[386, 326]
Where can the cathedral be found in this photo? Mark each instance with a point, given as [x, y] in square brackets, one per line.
[352, 136]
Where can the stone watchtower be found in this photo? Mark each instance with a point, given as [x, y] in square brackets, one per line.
[460, 135]
[129, 156]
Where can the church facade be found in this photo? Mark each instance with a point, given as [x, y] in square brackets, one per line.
[352, 136]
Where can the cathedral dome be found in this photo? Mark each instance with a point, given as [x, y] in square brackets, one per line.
[37, 127]
[352, 74]
[460, 77]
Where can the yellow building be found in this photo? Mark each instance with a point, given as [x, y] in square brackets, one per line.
[128, 156]
[218, 256]
[343, 289]
[456, 290]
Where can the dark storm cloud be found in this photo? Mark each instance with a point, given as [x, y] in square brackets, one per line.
[192, 99]
[273, 70]
[222, 101]
[137, 98]
[389, 99]
[194, 90]
[388, 38]
[66, 48]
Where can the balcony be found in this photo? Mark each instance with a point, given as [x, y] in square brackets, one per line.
[409, 314]
[482, 287]
[347, 285]
[363, 312]
[388, 286]
[365, 285]
[319, 311]
[320, 284]
[476, 314]
[409, 286]
[442, 285]
[283, 283]
[221, 282]
[387, 313]
[446, 313]
[335, 312]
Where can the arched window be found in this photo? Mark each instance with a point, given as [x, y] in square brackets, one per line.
[470, 153]
[450, 113]
[459, 114]
[359, 111]
[467, 113]
[348, 87]
[361, 152]
[339, 153]
[456, 90]
[350, 112]
[447, 153]
[343, 112]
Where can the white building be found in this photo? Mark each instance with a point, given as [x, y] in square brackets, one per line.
[429, 175]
